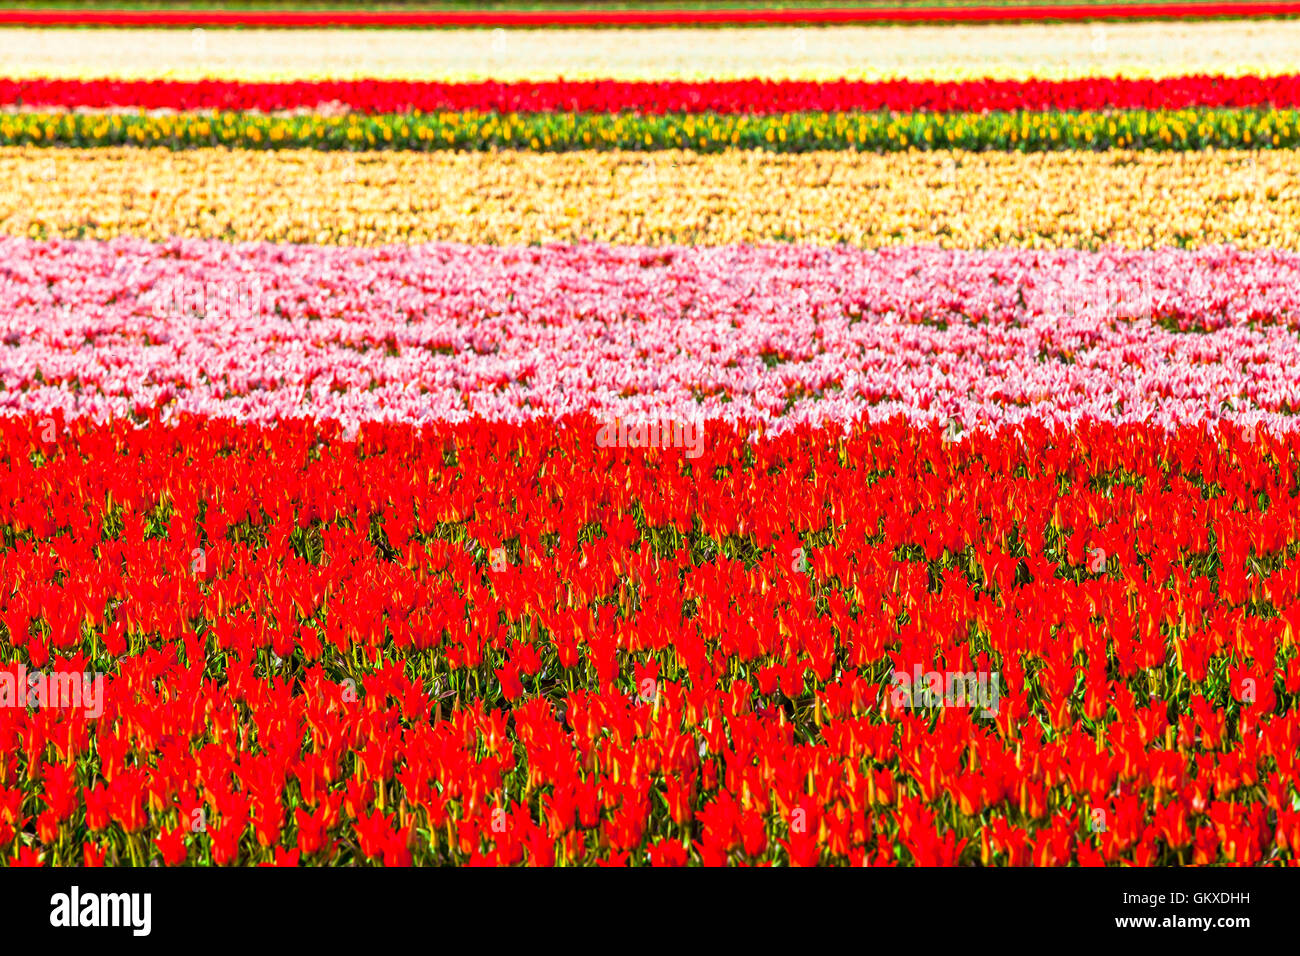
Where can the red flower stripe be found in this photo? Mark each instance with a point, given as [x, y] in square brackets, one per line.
[672, 96]
[482, 643]
[534, 18]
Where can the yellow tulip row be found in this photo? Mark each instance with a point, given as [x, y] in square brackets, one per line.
[1011, 51]
[956, 199]
[703, 132]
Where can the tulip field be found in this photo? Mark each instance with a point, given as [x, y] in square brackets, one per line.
[775, 445]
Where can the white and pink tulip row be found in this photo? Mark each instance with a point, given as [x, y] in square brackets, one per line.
[782, 335]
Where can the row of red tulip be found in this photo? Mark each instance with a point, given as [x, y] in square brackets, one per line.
[495, 643]
[756, 96]
[652, 15]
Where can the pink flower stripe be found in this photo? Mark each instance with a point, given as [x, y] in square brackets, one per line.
[775, 336]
